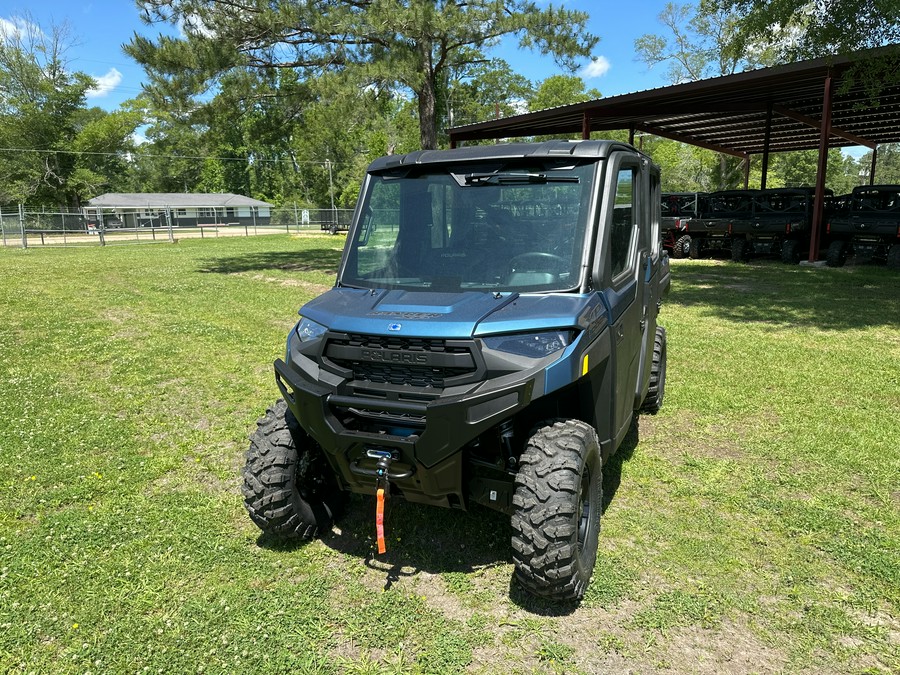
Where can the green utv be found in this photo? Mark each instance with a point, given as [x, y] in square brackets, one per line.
[490, 336]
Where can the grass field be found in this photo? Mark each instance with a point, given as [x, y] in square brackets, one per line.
[752, 526]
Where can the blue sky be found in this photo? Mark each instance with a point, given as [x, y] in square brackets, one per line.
[100, 27]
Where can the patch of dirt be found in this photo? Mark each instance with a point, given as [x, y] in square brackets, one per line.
[316, 289]
[731, 648]
[683, 438]
[117, 315]
[193, 475]
[434, 590]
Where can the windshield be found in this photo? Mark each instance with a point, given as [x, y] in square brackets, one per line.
[498, 227]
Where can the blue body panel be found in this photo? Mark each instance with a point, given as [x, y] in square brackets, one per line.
[419, 314]
[618, 301]
[466, 315]
[532, 313]
[446, 315]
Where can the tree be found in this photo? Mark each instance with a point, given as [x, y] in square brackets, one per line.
[696, 43]
[694, 47]
[887, 167]
[559, 90]
[102, 146]
[484, 90]
[40, 101]
[411, 44]
[799, 29]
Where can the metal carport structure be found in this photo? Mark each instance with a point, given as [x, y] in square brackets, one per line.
[817, 104]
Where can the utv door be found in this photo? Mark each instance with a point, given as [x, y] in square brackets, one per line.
[621, 276]
[654, 271]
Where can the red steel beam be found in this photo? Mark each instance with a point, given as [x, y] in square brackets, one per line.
[816, 124]
[819, 199]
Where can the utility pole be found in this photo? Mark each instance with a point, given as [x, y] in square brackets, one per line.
[331, 192]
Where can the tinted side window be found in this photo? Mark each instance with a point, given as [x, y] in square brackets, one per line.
[622, 221]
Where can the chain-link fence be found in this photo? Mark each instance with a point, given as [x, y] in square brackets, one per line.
[23, 226]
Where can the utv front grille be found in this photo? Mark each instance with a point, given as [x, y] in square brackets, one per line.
[421, 363]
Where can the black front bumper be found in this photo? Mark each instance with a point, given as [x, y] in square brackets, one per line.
[430, 447]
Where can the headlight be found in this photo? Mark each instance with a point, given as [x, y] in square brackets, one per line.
[534, 345]
[308, 330]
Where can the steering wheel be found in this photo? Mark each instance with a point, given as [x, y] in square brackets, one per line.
[537, 261]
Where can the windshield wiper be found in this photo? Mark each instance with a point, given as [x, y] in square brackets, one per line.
[516, 178]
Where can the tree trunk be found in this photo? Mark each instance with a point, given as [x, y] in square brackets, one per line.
[427, 115]
[427, 95]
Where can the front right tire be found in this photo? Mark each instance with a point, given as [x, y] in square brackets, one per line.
[557, 504]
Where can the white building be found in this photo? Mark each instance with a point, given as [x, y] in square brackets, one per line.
[145, 209]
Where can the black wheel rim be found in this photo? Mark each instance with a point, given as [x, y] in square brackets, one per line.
[584, 500]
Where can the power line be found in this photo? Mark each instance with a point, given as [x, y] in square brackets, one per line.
[252, 159]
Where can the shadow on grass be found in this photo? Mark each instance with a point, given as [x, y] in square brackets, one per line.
[313, 260]
[422, 538]
[795, 296]
[612, 470]
[428, 539]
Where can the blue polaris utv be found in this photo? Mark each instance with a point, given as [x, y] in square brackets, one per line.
[490, 336]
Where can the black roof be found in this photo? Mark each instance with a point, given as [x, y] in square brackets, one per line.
[503, 151]
[728, 114]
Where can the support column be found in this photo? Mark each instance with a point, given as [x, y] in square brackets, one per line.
[766, 142]
[747, 172]
[586, 125]
[631, 135]
[872, 168]
[819, 200]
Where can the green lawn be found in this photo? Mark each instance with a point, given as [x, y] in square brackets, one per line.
[752, 526]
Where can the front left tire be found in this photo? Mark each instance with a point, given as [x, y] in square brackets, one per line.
[289, 490]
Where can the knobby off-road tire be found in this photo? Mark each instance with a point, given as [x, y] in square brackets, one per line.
[557, 504]
[682, 247]
[695, 249]
[893, 257]
[790, 251]
[739, 250]
[657, 389]
[837, 254]
[288, 488]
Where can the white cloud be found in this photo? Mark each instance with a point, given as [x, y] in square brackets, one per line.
[596, 68]
[193, 23]
[17, 28]
[105, 84]
[7, 28]
[519, 106]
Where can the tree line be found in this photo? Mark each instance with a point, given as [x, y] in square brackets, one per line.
[288, 101]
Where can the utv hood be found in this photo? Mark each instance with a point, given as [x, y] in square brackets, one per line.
[443, 315]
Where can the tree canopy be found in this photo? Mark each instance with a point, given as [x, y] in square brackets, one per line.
[800, 29]
[282, 104]
[411, 44]
[56, 150]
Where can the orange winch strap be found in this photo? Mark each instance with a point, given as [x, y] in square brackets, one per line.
[379, 520]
